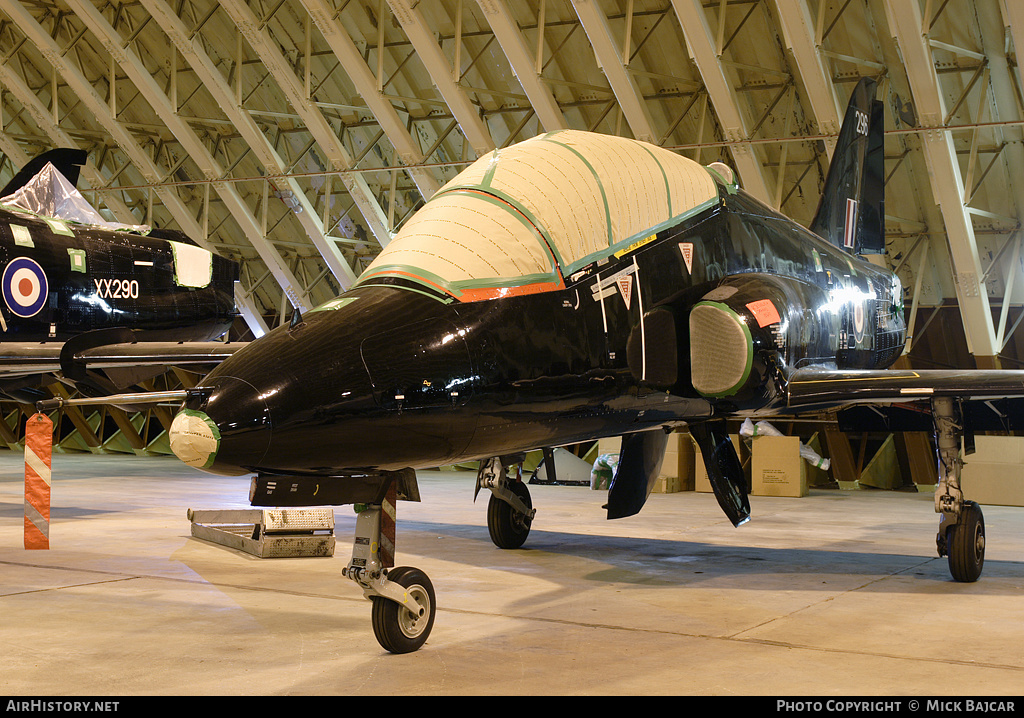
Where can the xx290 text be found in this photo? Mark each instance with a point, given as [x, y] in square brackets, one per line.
[117, 288]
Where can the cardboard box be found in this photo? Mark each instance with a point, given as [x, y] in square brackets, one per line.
[609, 445]
[700, 473]
[679, 461]
[666, 485]
[677, 464]
[670, 460]
[777, 468]
[991, 475]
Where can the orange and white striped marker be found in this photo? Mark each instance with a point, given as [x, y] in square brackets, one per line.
[38, 453]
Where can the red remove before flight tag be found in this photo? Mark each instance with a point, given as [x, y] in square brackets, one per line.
[764, 312]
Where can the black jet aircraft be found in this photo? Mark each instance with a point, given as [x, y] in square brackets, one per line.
[571, 287]
[83, 296]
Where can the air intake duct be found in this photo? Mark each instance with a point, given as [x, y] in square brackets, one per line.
[736, 330]
[721, 349]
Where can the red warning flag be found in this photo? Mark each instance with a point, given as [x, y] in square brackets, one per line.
[38, 453]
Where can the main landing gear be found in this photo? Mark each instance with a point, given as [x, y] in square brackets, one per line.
[961, 535]
[403, 597]
[509, 511]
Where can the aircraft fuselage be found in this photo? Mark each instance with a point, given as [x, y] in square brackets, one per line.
[388, 376]
[60, 279]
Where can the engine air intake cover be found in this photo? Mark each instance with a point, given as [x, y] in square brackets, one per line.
[721, 349]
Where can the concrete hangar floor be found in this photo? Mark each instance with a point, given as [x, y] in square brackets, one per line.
[838, 593]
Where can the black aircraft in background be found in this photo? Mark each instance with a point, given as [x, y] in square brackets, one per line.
[103, 305]
[571, 287]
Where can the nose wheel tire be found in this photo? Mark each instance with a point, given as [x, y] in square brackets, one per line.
[508, 527]
[396, 628]
[966, 544]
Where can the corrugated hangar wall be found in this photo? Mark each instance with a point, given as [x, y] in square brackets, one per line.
[297, 136]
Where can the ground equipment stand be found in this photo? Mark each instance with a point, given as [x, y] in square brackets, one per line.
[268, 533]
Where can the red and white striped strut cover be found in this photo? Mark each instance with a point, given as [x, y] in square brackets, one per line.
[388, 514]
[38, 453]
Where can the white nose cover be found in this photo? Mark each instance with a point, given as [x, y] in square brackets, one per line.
[194, 438]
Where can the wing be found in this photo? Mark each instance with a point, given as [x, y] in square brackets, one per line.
[101, 371]
[823, 388]
[900, 399]
[45, 357]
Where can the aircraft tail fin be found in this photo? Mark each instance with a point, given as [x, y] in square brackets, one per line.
[67, 161]
[851, 213]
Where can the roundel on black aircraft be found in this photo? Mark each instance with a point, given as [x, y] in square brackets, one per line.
[25, 287]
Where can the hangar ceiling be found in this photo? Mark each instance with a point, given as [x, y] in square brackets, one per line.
[298, 135]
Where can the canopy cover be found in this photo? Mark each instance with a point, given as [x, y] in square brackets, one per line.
[520, 219]
[49, 194]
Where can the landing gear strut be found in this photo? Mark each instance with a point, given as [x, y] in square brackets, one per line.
[403, 597]
[509, 511]
[961, 535]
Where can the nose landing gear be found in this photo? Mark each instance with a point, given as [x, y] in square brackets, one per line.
[403, 626]
[403, 598]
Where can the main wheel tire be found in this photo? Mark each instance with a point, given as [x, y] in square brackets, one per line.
[966, 541]
[508, 527]
[396, 628]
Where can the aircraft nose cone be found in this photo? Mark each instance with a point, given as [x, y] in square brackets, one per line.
[226, 431]
[194, 438]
